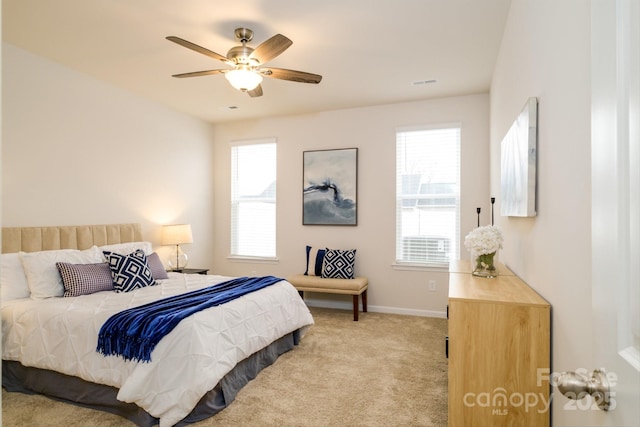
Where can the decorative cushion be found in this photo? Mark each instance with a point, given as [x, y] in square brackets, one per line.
[157, 268]
[83, 279]
[13, 281]
[129, 272]
[43, 276]
[314, 261]
[339, 264]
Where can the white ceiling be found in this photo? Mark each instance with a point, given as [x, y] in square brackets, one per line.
[368, 51]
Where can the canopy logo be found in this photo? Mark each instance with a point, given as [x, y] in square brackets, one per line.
[500, 400]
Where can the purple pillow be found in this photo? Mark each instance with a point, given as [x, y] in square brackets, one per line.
[83, 279]
[155, 265]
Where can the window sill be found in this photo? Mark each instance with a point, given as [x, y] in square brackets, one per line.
[408, 266]
[253, 259]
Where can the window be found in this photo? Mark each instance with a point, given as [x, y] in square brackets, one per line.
[253, 199]
[427, 195]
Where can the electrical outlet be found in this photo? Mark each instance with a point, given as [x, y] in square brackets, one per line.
[432, 285]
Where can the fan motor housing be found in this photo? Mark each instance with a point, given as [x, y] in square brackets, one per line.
[240, 55]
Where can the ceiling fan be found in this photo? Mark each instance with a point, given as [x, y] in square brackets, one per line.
[247, 72]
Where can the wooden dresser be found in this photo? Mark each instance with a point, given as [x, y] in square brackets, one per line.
[498, 349]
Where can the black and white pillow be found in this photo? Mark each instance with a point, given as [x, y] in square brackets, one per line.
[129, 272]
[339, 264]
[315, 256]
[83, 279]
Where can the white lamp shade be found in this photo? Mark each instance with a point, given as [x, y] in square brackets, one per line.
[176, 234]
[243, 79]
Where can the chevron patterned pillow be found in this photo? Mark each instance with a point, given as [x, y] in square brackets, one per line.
[339, 264]
[129, 272]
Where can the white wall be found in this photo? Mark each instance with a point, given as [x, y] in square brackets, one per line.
[546, 54]
[78, 151]
[372, 131]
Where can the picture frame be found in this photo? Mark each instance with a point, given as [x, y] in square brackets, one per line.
[330, 187]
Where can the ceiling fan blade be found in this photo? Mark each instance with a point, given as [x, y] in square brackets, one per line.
[271, 48]
[199, 73]
[292, 75]
[255, 92]
[199, 49]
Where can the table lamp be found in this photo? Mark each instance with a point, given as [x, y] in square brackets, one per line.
[177, 234]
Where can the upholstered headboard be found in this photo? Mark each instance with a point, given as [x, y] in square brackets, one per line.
[34, 239]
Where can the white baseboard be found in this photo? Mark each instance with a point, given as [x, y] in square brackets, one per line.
[376, 308]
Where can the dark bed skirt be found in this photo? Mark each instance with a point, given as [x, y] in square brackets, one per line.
[74, 390]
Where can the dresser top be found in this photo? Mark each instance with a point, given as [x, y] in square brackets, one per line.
[464, 266]
[506, 288]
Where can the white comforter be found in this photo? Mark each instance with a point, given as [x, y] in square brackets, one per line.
[61, 334]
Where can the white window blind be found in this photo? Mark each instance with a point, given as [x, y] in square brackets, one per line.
[253, 199]
[427, 195]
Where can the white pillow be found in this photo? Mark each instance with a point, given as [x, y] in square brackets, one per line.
[42, 274]
[127, 248]
[13, 281]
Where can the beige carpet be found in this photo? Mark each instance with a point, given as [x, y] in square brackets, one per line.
[385, 370]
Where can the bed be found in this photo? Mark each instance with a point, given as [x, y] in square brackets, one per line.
[50, 335]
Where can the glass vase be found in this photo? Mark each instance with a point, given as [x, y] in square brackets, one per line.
[484, 265]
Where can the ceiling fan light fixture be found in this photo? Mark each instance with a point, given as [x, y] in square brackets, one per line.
[246, 74]
[243, 79]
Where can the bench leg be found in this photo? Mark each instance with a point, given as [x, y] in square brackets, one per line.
[301, 293]
[355, 308]
[364, 301]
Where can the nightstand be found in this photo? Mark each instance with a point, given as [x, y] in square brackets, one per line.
[191, 270]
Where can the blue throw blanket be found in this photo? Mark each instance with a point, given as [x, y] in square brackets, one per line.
[134, 333]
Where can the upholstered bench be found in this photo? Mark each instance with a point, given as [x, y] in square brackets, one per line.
[356, 286]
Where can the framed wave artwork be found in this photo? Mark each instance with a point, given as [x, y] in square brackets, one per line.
[330, 185]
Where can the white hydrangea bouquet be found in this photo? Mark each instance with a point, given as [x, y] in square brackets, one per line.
[483, 243]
